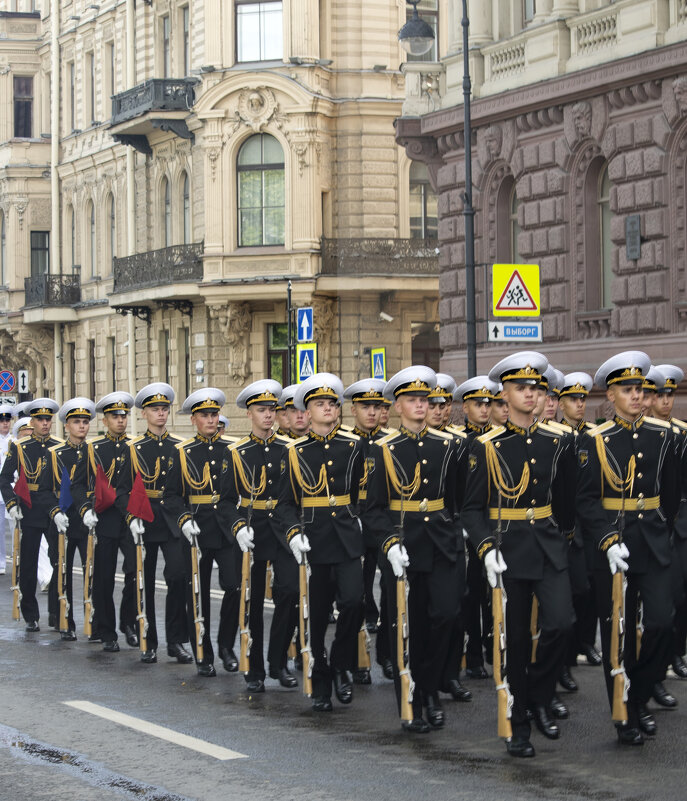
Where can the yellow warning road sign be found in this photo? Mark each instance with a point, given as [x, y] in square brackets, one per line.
[515, 290]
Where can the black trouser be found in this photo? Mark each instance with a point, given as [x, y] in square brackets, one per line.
[369, 570]
[229, 582]
[474, 617]
[105, 567]
[534, 683]
[28, 571]
[653, 590]
[679, 573]
[433, 607]
[344, 581]
[285, 598]
[175, 605]
[584, 630]
[384, 633]
[73, 544]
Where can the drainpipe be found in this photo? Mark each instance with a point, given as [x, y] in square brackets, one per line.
[55, 246]
[131, 207]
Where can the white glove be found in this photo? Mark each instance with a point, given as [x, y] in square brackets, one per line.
[465, 535]
[190, 528]
[136, 527]
[62, 522]
[494, 565]
[616, 555]
[398, 559]
[90, 518]
[244, 537]
[16, 513]
[299, 545]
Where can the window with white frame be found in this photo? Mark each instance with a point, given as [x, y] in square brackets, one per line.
[260, 171]
[259, 30]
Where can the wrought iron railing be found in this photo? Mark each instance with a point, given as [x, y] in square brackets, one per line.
[158, 267]
[378, 256]
[52, 290]
[157, 94]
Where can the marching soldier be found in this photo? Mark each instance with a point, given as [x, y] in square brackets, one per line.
[151, 455]
[628, 496]
[411, 506]
[191, 499]
[499, 409]
[94, 483]
[446, 385]
[29, 457]
[298, 419]
[366, 406]
[318, 504]
[251, 470]
[521, 482]
[222, 424]
[475, 395]
[282, 419]
[64, 460]
[384, 414]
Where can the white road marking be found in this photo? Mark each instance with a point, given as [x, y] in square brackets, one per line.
[154, 730]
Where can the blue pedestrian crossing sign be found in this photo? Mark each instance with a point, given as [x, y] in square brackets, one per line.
[304, 324]
[378, 363]
[306, 358]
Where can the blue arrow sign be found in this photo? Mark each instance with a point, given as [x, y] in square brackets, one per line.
[304, 324]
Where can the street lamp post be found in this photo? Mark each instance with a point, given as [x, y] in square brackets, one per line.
[468, 210]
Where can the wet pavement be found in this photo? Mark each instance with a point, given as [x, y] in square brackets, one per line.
[49, 750]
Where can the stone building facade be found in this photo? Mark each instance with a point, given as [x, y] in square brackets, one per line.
[189, 159]
[579, 126]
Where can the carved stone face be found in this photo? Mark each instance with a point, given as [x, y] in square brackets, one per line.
[582, 118]
[256, 102]
[680, 91]
[493, 139]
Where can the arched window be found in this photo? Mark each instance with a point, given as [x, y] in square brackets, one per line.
[186, 207]
[167, 213]
[91, 239]
[113, 229]
[598, 272]
[423, 203]
[514, 227]
[605, 245]
[261, 191]
[3, 250]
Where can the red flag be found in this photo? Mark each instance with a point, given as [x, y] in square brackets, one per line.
[139, 504]
[21, 488]
[104, 494]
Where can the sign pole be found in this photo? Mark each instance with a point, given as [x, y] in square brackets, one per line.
[289, 333]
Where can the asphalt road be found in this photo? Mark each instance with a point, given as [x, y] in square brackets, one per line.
[58, 738]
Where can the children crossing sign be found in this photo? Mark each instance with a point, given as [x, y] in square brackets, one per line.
[306, 358]
[515, 290]
[378, 363]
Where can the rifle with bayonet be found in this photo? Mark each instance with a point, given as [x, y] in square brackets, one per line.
[141, 616]
[304, 613]
[88, 609]
[62, 580]
[16, 549]
[244, 604]
[498, 609]
[403, 632]
[198, 619]
[620, 680]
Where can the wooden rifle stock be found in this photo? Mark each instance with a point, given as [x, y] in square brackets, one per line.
[16, 549]
[198, 619]
[619, 709]
[141, 616]
[534, 627]
[62, 581]
[244, 613]
[403, 649]
[269, 581]
[304, 620]
[498, 610]
[88, 610]
[364, 662]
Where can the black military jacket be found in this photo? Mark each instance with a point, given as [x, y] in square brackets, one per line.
[69, 456]
[192, 489]
[107, 452]
[527, 540]
[680, 437]
[366, 440]
[32, 454]
[653, 494]
[422, 469]
[322, 478]
[257, 463]
[152, 457]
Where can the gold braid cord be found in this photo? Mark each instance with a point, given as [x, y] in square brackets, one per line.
[148, 478]
[496, 475]
[308, 489]
[405, 491]
[241, 477]
[94, 468]
[615, 482]
[57, 473]
[31, 475]
[191, 483]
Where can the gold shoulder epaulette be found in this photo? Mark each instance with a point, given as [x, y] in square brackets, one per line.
[345, 427]
[454, 429]
[601, 428]
[185, 442]
[489, 435]
[655, 421]
[554, 427]
[390, 437]
[441, 434]
[53, 448]
[134, 440]
[174, 437]
[23, 439]
[389, 430]
[348, 434]
[242, 441]
[229, 439]
[679, 423]
[282, 439]
[298, 441]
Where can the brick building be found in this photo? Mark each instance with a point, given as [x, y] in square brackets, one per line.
[579, 122]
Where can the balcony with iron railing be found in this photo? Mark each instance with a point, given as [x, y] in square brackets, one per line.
[158, 268]
[377, 256]
[51, 298]
[157, 104]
